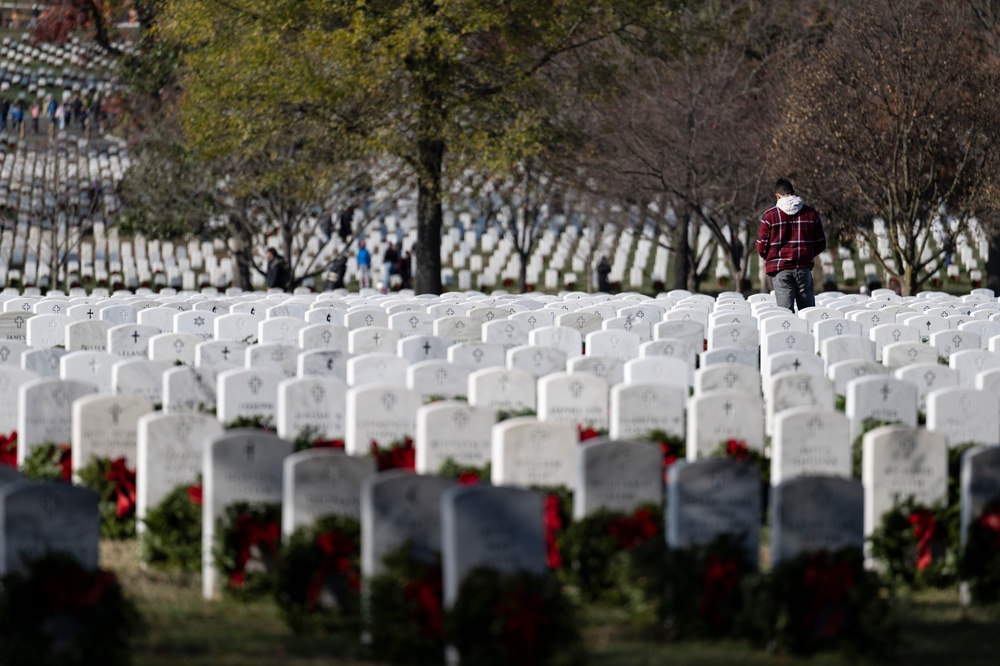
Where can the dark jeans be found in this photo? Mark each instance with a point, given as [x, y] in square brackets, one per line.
[794, 287]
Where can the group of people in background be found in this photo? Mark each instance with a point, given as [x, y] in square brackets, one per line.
[76, 112]
[397, 269]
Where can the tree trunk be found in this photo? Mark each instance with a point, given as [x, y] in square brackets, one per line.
[427, 278]
[993, 263]
[242, 257]
[523, 272]
[681, 251]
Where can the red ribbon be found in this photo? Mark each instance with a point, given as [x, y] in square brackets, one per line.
[66, 462]
[426, 593]
[124, 480]
[924, 530]
[719, 581]
[468, 479]
[634, 530]
[195, 494]
[586, 433]
[336, 550]
[829, 582]
[553, 523]
[669, 455]
[399, 456]
[8, 450]
[991, 521]
[524, 616]
[328, 444]
[249, 534]
[737, 448]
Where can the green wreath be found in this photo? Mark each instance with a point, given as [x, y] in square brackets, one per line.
[465, 474]
[820, 601]
[172, 538]
[502, 619]
[673, 447]
[248, 535]
[311, 437]
[254, 422]
[916, 545]
[979, 564]
[114, 484]
[737, 449]
[405, 610]
[704, 595]
[504, 414]
[57, 613]
[318, 580]
[49, 462]
[617, 559]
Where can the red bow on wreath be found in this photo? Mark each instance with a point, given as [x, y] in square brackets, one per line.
[924, 531]
[196, 494]
[737, 448]
[399, 456]
[991, 521]
[586, 433]
[829, 583]
[524, 617]
[719, 581]
[66, 462]
[634, 530]
[8, 450]
[249, 534]
[553, 523]
[468, 479]
[336, 550]
[669, 455]
[426, 592]
[124, 480]
[328, 444]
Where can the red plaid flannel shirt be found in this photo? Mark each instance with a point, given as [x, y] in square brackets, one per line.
[789, 241]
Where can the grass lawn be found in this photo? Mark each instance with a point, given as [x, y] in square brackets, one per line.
[183, 629]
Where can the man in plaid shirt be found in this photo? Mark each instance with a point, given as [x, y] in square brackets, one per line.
[789, 238]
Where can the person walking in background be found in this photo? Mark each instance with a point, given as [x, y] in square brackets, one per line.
[389, 259]
[789, 238]
[35, 112]
[17, 118]
[364, 266]
[277, 270]
[603, 271]
[405, 269]
[4, 112]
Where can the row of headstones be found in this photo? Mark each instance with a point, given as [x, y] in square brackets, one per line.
[501, 525]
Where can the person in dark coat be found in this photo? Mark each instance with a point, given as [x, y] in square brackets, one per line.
[277, 270]
[603, 271]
